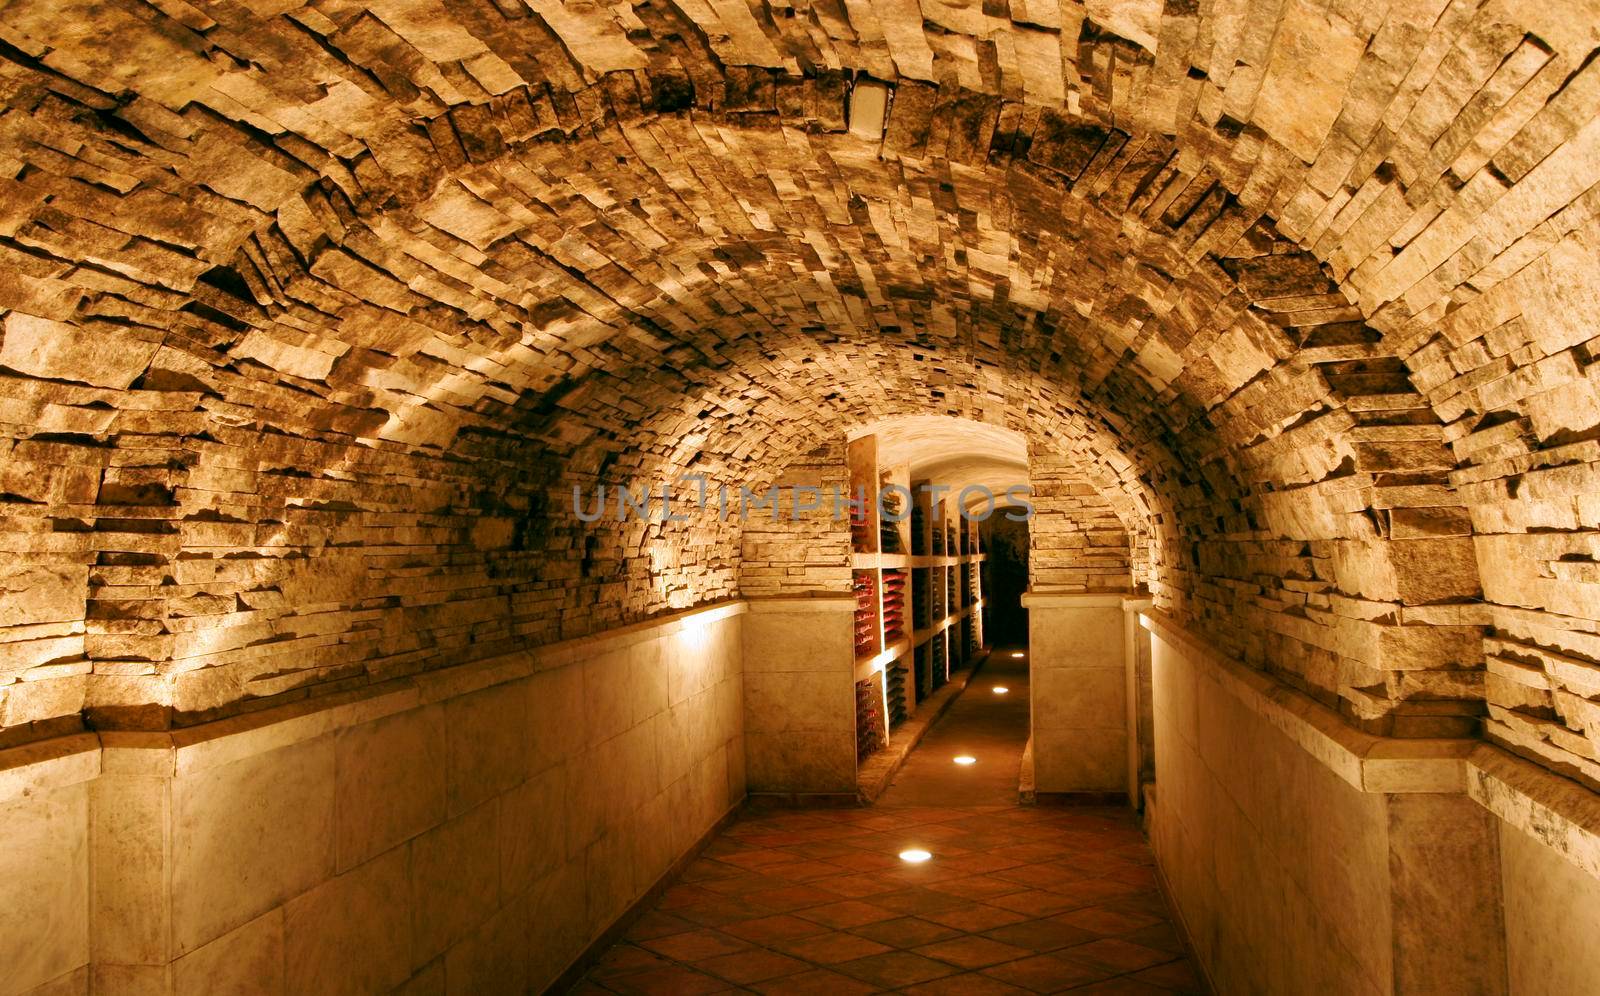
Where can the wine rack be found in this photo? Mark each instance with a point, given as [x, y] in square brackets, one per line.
[865, 586]
[894, 606]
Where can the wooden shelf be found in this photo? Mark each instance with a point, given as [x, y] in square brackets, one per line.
[868, 666]
[942, 580]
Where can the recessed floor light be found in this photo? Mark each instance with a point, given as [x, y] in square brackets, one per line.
[915, 856]
[1000, 689]
[1019, 655]
[965, 759]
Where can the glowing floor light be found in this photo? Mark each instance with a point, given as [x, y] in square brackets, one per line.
[1019, 655]
[915, 856]
[965, 759]
[1000, 689]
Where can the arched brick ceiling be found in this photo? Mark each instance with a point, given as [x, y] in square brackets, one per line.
[360, 285]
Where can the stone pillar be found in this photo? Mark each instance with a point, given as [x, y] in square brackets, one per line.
[1444, 893]
[799, 696]
[1078, 671]
[1136, 684]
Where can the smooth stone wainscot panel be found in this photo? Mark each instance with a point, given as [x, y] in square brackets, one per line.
[1306, 857]
[1078, 669]
[44, 865]
[469, 828]
[799, 707]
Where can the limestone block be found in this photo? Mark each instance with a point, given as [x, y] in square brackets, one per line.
[130, 835]
[1444, 863]
[608, 694]
[533, 831]
[799, 701]
[390, 780]
[1551, 911]
[455, 881]
[223, 874]
[557, 923]
[801, 761]
[56, 350]
[493, 958]
[243, 962]
[46, 593]
[558, 722]
[1079, 699]
[1081, 760]
[486, 733]
[44, 920]
[351, 934]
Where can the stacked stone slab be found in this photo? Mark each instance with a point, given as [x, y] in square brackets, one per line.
[315, 315]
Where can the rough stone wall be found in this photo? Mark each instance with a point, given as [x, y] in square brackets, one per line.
[800, 551]
[1075, 541]
[1294, 283]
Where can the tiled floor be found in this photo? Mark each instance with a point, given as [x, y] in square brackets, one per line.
[1015, 899]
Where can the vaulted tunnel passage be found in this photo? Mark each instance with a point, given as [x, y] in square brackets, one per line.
[316, 316]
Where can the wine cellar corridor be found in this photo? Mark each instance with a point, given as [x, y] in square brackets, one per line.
[531, 496]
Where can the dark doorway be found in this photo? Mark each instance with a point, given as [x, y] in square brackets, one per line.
[1005, 540]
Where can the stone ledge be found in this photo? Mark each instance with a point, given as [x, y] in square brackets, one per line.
[47, 765]
[801, 604]
[1557, 812]
[564, 652]
[1367, 762]
[1073, 599]
[182, 752]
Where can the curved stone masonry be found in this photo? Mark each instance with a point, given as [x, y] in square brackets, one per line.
[314, 314]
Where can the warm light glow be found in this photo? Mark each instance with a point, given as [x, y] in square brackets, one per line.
[965, 759]
[1001, 689]
[1019, 655]
[915, 856]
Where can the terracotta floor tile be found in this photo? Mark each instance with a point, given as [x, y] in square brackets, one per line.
[818, 982]
[716, 912]
[1038, 899]
[753, 965]
[801, 871]
[795, 897]
[1095, 892]
[919, 901]
[1041, 935]
[978, 887]
[830, 948]
[1179, 976]
[1036, 902]
[1117, 955]
[843, 916]
[895, 969]
[1105, 922]
[1051, 875]
[1161, 936]
[657, 923]
[1122, 986]
[1045, 973]
[778, 927]
[973, 952]
[966, 984]
[855, 885]
[755, 859]
[623, 959]
[671, 980]
[975, 918]
[695, 945]
[906, 932]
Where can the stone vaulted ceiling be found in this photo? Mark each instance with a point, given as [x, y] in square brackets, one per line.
[314, 312]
